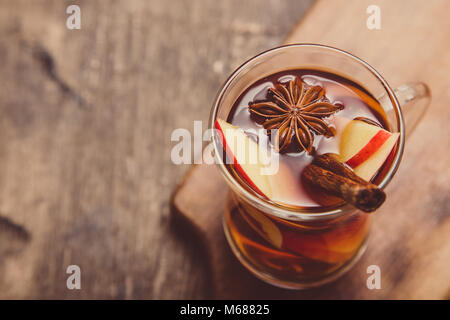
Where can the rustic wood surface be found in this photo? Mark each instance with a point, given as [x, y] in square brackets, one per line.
[86, 117]
[410, 239]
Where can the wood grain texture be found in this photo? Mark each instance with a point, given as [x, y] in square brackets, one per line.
[86, 118]
[410, 238]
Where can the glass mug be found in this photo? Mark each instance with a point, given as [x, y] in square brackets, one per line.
[294, 247]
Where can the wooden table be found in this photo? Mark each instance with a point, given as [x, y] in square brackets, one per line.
[85, 175]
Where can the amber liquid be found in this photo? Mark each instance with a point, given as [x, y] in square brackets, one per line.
[300, 251]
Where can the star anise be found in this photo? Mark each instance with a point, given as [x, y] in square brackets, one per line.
[296, 109]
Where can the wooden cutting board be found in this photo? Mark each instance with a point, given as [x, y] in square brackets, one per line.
[410, 239]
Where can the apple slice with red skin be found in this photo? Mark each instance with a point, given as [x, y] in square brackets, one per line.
[370, 167]
[239, 147]
[369, 149]
[279, 186]
[364, 147]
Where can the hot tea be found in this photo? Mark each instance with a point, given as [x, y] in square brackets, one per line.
[332, 141]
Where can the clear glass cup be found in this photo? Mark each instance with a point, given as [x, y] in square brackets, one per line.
[302, 248]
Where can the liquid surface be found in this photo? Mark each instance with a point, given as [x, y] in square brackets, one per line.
[357, 102]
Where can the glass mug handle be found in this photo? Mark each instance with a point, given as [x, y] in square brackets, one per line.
[414, 99]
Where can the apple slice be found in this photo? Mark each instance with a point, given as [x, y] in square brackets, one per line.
[365, 147]
[272, 179]
[240, 148]
[368, 168]
[333, 246]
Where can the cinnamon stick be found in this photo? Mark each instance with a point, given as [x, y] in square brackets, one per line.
[327, 173]
[329, 162]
